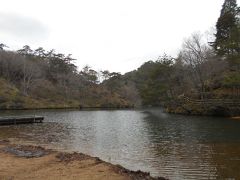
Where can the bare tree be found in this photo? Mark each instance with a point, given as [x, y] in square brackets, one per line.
[195, 54]
[10, 65]
[30, 73]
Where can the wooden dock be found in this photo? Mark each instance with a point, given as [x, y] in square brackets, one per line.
[20, 120]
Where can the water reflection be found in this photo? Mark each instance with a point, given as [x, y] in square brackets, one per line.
[177, 147]
[195, 147]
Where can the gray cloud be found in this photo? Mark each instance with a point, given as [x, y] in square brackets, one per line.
[19, 26]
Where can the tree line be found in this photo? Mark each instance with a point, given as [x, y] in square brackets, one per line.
[49, 75]
[202, 70]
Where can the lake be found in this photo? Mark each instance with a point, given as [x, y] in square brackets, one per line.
[172, 146]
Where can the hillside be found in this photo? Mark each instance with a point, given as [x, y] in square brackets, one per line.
[35, 79]
[204, 78]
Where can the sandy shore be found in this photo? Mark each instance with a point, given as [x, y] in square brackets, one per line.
[31, 162]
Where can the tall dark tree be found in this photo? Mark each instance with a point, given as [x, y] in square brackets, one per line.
[26, 50]
[2, 46]
[228, 30]
[40, 52]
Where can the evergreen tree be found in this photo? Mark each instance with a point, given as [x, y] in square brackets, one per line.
[2, 46]
[228, 30]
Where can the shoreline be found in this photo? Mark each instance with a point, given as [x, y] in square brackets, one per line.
[166, 110]
[67, 108]
[21, 161]
[187, 113]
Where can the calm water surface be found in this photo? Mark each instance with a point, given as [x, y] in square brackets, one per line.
[172, 146]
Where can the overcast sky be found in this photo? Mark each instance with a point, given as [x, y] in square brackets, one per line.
[118, 35]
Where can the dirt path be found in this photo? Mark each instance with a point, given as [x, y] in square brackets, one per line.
[31, 162]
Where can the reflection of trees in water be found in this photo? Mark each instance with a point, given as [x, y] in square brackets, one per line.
[226, 157]
[179, 147]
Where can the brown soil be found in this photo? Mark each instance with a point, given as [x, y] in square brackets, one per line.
[236, 118]
[32, 162]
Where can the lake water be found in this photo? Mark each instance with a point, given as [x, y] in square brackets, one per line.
[172, 146]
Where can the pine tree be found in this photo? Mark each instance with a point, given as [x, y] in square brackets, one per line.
[227, 41]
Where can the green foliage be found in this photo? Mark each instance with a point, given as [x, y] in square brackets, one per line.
[232, 79]
[228, 30]
[42, 79]
[153, 80]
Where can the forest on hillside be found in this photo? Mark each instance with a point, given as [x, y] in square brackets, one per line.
[203, 79]
[39, 78]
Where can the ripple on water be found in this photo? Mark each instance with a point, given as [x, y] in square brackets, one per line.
[177, 147]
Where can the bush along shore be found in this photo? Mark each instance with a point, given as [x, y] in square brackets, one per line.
[222, 107]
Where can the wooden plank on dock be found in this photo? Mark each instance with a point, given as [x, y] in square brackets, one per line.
[7, 120]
